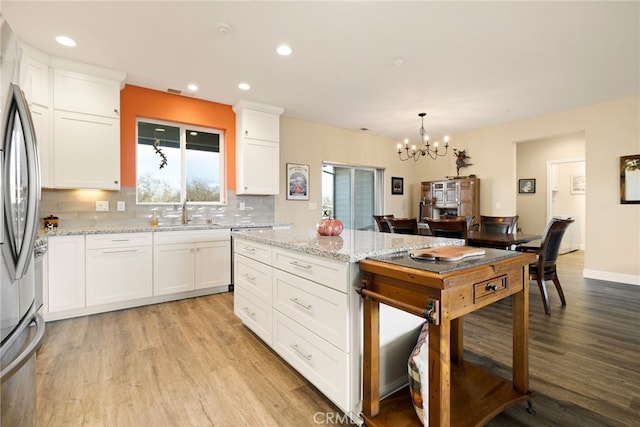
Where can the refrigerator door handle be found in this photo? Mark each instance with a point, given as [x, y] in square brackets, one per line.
[28, 352]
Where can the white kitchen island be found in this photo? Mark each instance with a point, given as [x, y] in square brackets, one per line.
[296, 291]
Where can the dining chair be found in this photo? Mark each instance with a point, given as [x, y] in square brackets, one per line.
[403, 225]
[498, 224]
[453, 228]
[381, 222]
[548, 251]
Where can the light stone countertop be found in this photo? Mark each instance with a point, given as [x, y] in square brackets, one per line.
[70, 231]
[349, 246]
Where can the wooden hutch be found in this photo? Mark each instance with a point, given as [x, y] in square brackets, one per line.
[450, 197]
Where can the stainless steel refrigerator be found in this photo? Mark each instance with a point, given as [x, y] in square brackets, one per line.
[22, 328]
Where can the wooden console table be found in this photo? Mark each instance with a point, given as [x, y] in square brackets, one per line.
[460, 393]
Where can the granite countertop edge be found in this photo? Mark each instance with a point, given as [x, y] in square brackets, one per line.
[306, 245]
[71, 231]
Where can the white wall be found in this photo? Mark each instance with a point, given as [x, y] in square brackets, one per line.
[611, 130]
[531, 162]
[311, 144]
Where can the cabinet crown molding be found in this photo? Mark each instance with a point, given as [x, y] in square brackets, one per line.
[250, 105]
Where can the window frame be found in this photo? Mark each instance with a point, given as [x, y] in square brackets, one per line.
[184, 127]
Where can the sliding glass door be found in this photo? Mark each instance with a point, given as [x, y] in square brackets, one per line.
[352, 194]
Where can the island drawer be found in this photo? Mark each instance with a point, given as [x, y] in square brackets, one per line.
[255, 314]
[253, 277]
[253, 250]
[321, 270]
[322, 310]
[323, 365]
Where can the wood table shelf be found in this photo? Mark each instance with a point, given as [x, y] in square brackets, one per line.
[460, 393]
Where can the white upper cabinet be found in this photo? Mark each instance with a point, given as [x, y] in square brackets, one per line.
[34, 81]
[87, 151]
[257, 148]
[86, 126]
[87, 94]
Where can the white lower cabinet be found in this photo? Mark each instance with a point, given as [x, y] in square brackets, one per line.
[110, 271]
[322, 364]
[66, 270]
[119, 267]
[189, 260]
[308, 300]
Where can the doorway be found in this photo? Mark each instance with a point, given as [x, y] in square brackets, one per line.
[566, 199]
[352, 194]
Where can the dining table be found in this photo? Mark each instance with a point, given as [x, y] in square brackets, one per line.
[487, 239]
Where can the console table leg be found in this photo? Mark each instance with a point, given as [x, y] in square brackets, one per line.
[371, 358]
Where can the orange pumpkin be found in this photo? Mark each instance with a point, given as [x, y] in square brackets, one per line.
[329, 227]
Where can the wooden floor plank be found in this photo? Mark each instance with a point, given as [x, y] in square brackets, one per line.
[192, 363]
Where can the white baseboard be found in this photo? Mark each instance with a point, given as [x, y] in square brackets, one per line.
[628, 279]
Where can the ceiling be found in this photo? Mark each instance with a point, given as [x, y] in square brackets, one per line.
[359, 64]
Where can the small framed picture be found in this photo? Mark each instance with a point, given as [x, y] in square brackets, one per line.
[577, 184]
[397, 185]
[630, 179]
[527, 186]
[298, 179]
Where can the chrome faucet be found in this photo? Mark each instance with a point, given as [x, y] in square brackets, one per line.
[185, 219]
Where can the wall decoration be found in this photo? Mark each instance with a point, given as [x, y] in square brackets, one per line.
[527, 186]
[298, 179]
[577, 184]
[461, 160]
[397, 185]
[630, 179]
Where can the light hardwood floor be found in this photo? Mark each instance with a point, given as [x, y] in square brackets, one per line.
[192, 363]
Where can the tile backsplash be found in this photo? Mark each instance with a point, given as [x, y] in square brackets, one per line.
[77, 209]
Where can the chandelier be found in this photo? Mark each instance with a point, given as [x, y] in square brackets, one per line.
[415, 153]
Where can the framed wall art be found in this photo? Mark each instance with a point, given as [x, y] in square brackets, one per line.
[397, 185]
[630, 179]
[298, 179]
[577, 184]
[527, 186]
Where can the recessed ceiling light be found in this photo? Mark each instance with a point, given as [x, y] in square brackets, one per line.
[66, 41]
[284, 50]
[192, 87]
[244, 86]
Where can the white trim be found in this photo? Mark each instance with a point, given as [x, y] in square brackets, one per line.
[628, 279]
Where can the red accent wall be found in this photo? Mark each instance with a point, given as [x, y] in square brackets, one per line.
[137, 102]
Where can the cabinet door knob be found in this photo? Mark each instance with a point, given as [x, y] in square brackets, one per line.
[115, 182]
[246, 133]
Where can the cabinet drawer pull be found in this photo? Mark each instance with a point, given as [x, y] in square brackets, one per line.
[246, 310]
[248, 249]
[491, 287]
[303, 305]
[297, 264]
[120, 251]
[300, 352]
[120, 240]
[246, 276]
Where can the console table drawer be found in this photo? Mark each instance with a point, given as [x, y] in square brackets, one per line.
[493, 288]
